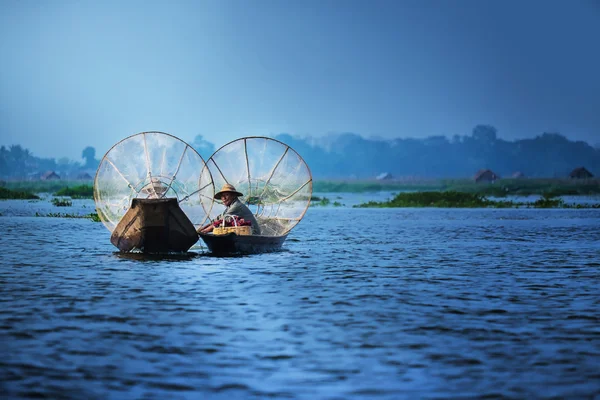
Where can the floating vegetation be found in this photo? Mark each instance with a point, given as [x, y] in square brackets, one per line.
[547, 201]
[500, 188]
[432, 199]
[453, 199]
[60, 202]
[93, 216]
[318, 201]
[8, 194]
[77, 192]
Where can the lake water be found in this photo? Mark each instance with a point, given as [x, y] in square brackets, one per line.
[361, 304]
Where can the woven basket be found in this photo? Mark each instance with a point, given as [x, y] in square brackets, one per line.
[238, 230]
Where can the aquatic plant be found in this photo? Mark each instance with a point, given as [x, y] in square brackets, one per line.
[467, 200]
[6, 194]
[93, 216]
[432, 199]
[320, 202]
[60, 202]
[548, 201]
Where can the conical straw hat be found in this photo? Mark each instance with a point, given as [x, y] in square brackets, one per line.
[227, 188]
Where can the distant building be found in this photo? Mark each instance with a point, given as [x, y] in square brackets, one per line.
[580, 173]
[486, 175]
[383, 176]
[518, 174]
[49, 176]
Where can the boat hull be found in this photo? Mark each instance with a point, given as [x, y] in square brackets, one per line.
[231, 243]
[154, 226]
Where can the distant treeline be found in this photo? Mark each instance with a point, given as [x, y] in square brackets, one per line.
[347, 156]
[19, 163]
[549, 155]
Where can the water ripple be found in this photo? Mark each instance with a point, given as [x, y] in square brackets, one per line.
[433, 303]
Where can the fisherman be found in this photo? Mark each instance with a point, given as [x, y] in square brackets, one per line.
[229, 196]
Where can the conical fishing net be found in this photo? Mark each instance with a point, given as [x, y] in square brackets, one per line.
[275, 181]
[152, 165]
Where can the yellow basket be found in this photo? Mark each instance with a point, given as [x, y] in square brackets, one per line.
[238, 230]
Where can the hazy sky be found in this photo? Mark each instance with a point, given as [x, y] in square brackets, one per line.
[90, 73]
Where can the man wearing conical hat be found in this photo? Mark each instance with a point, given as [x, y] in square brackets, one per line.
[229, 196]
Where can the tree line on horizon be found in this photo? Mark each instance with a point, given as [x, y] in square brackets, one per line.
[350, 156]
[18, 163]
[549, 155]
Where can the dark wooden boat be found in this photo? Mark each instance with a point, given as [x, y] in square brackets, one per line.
[154, 226]
[231, 243]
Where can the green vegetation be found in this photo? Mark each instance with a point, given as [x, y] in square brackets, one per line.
[501, 188]
[318, 201]
[547, 201]
[432, 199]
[453, 199]
[59, 202]
[77, 192]
[51, 186]
[93, 216]
[6, 194]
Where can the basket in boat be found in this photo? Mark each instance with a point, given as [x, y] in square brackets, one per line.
[237, 229]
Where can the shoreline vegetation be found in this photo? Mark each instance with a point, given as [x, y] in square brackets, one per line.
[453, 199]
[412, 193]
[499, 188]
[8, 194]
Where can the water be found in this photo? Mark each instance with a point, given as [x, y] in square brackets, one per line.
[362, 304]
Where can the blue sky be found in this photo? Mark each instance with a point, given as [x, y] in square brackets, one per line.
[90, 73]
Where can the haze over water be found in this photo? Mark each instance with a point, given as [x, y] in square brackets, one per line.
[89, 73]
[363, 303]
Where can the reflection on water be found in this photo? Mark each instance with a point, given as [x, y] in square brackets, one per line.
[402, 303]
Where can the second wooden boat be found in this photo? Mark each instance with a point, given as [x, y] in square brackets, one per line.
[232, 244]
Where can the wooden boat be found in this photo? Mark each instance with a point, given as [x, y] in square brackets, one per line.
[151, 191]
[231, 243]
[154, 226]
[275, 184]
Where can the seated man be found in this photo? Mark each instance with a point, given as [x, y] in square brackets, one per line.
[234, 206]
